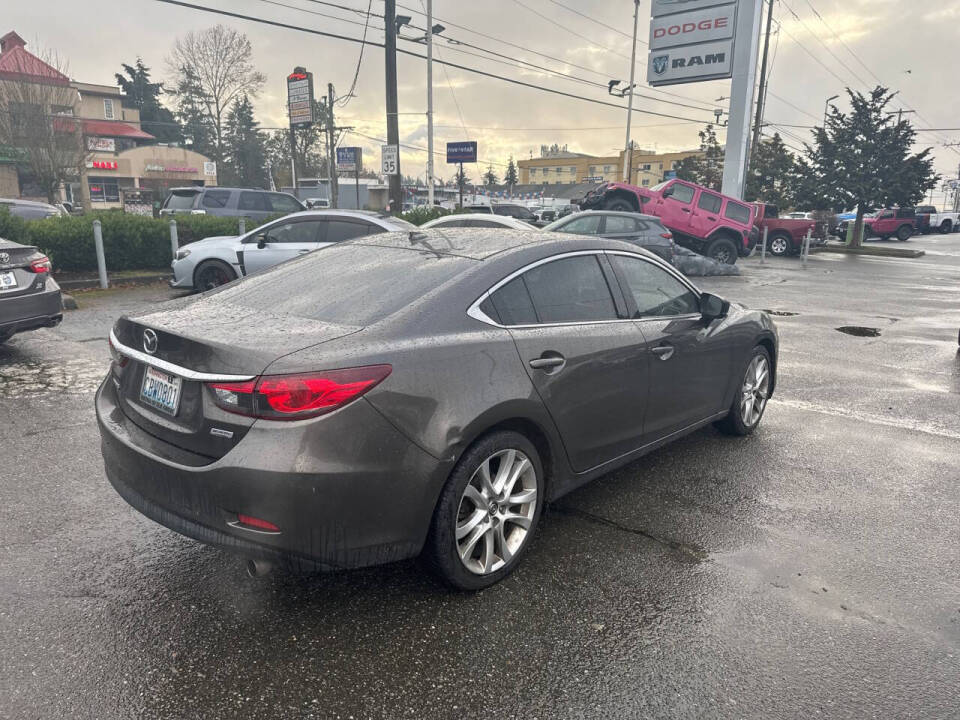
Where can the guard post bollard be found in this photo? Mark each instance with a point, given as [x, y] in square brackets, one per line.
[101, 261]
[763, 246]
[174, 239]
[243, 226]
[805, 250]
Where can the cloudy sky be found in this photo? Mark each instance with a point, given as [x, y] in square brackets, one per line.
[819, 48]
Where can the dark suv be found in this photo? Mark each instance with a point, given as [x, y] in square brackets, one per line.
[229, 202]
[515, 211]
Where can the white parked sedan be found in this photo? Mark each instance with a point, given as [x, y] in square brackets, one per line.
[213, 261]
[477, 220]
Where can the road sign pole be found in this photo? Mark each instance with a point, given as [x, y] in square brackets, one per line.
[741, 96]
[356, 180]
[293, 161]
[460, 184]
[763, 246]
[628, 148]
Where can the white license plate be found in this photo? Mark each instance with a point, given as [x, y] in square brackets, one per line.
[161, 390]
[7, 280]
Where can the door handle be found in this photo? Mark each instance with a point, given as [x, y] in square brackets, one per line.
[542, 363]
[664, 352]
[686, 210]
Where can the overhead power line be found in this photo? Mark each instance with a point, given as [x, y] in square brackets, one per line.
[595, 21]
[823, 44]
[566, 29]
[476, 71]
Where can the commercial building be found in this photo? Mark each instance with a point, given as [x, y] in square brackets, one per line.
[120, 157]
[560, 166]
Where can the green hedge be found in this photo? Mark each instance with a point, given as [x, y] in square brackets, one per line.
[130, 242]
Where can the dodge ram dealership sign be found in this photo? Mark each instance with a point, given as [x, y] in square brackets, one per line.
[691, 41]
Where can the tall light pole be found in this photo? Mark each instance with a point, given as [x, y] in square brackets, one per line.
[430, 103]
[826, 106]
[628, 151]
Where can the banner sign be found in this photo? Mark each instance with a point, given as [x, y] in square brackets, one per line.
[300, 98]
[691, 41]
[462, 152]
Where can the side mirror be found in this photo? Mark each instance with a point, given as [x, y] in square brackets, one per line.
[261, 241]
[713, 307]
[667, 192]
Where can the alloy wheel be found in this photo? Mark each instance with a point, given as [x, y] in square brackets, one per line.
[496, 511]
[755, 391]
[778, 246]
[212, 277]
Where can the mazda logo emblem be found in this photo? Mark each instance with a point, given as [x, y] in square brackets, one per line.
[149, 341]
[4, 258]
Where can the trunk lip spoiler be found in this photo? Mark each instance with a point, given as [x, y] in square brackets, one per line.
[172, 368]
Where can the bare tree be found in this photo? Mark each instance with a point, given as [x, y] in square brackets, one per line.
[218, 60]
[37, 109]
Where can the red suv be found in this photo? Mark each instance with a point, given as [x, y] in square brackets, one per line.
[892, 222]
[701, 219]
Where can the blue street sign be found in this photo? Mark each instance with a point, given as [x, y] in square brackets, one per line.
[349, 159]
[462, 152]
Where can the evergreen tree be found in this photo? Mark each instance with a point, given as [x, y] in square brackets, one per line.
[706, 168]
[143, 95]
[862, 160]
[511, 177]
[490, 177]
[198, 131]
[773, 174]
[244, 151]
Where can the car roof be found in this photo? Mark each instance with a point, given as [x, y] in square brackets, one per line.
[611, 213]
[504, 220]
[205, 188]
[484, 243]
[27, 203]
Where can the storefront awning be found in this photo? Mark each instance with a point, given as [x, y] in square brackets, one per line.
[112, 128]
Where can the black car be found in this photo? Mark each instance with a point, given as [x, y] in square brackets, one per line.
[644, 230]
[418, 392]
[29, 297]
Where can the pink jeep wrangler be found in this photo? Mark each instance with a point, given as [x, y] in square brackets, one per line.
[701, 219]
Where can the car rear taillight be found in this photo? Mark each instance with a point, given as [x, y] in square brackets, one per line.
[667, 235]
[255, 523]
[296, 397]
[41, 265]
[119, 360]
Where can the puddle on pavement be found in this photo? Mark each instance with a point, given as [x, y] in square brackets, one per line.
[859, 331]
[31, 379]
[781, 313]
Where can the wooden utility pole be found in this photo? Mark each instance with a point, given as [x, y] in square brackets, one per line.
[761, 93]
[332, 151]
[393, 131]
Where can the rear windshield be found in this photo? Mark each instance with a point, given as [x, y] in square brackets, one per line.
[346, 285]
[180, 201]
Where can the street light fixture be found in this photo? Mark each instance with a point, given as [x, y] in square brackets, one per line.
[825, 106]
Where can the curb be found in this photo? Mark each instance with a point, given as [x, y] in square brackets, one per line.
[874, 251]
[94, 283]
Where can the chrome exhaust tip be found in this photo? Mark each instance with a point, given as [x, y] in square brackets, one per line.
[258, 568]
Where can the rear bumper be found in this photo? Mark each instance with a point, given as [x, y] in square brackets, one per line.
[346, 493]
[29, 312]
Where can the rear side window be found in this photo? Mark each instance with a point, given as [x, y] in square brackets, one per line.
[216, 198]
[252, 200]
[572, 289]
[283, 203]
[484, 224]
[512, 304]
[587, 225]
[455, 223]
[180, 201]
[617, 224]
[709, 202]
[737, 212]
[340, 230]
[294, 232]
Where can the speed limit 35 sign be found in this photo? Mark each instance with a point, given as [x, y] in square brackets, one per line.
[389, 159]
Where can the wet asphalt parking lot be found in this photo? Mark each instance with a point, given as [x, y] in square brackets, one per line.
[810, 570]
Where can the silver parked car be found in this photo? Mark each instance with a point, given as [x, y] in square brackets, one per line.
[213, 261]
[30, 210]
[29, 297]
[476, 220]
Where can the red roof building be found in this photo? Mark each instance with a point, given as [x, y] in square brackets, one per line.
[18, 64]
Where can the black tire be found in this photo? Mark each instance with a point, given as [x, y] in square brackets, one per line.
[440, 551]
[904, 232]
[619, 204]
[722, 250]
[211, 274]
[734, 423]
[945, 227]
[780, 245]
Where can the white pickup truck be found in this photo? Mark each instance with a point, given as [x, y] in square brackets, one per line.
[929, 220]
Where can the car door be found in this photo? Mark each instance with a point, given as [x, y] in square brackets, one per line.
[586, 224]
[279, 242]
[676, 205]
[705, 215]
[690, 359]
[339, 229]
[253, 204]
[584, 358]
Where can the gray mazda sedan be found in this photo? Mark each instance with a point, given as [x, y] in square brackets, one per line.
[418, 393]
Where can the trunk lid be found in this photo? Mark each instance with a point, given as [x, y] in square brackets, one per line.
[16, 277]
[165, 393]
